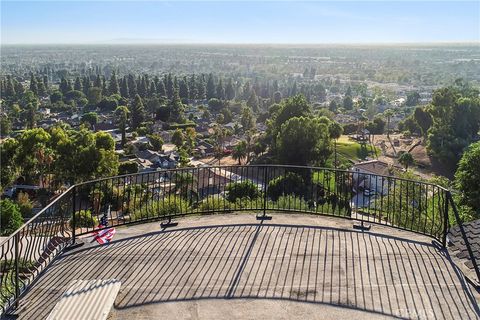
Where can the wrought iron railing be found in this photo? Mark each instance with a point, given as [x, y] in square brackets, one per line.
[164, 195]
[27, 252]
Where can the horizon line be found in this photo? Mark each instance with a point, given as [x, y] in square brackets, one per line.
[472, 42]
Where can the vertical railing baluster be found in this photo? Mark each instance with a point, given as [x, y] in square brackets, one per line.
[17, 258]
[74, 218]
[445, 222]
[265, 191]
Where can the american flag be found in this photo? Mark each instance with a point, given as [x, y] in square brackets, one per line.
[105, 235]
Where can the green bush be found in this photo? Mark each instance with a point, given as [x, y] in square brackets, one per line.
[170, 205]
[10, 217]
[290, 183]
[24, 204]
[215, 203]
[290, 202]
[240, 190]
[248, 203]
[84, 219]
[127, 167]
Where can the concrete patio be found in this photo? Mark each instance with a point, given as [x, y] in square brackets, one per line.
[295, 266]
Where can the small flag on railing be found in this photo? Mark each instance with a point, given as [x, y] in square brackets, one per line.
[105, 235]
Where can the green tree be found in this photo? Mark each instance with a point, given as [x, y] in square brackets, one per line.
[30, 105]
[184, 181]
[412, 99]
[220, 90]
[90, 118]
[127, 167]
[94, 95]
[177, 109]
[296, 106]
[230, 90]
[215, 105]
[252, 101]
[82, 155]
[406, 159]
[113, 87]
[240, 151]
[78, 84]
[5, 125]
[348, 103]
[288, 184]
[210, 88]
[9, 168]
[103, 140]
[190, 136]
[277, 97]
[56, 96]
[29, 143]
[423, 119]
[137, 111]
[33, 84]
[335, 130]
[456, 121]
[467, 178]
[156, 141]
[178, 138]
[247, 120]
[303, 141]
[10, 217]
[240, 190]
[121, 118]
[388, 114]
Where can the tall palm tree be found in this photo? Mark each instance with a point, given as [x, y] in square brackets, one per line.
[335, 130]
[388, 114]
[240, 151]
[220, 134]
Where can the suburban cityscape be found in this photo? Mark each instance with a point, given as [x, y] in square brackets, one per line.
[102, 142]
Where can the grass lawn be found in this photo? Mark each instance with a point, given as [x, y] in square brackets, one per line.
[352, 150]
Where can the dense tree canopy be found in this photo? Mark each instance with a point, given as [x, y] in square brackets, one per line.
[467, 178]
[68, 155]
[303, 141]
[456, 120]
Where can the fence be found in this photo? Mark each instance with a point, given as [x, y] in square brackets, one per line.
[167, 194]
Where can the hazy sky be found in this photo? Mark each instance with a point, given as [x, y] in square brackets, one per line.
[239, 22]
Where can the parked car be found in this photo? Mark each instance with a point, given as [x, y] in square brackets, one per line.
[14, 190]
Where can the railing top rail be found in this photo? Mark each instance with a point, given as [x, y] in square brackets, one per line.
[260, 166]
[37, 215]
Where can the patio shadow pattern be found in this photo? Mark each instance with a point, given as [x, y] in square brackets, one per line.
[406, 277]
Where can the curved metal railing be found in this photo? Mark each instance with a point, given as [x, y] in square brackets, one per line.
[164, 195]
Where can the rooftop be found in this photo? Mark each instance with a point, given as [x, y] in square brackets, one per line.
[296, 266]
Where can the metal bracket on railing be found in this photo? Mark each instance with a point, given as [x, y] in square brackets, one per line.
[168, 223]
[362, 226]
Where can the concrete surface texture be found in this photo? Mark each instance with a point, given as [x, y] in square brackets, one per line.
[293, 267]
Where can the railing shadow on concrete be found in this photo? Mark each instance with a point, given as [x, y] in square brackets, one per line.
[372, 272]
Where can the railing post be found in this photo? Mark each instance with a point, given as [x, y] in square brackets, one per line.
[264, 215]
[445, 220]
[17, 277]
[265, 191]
[74, 222]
